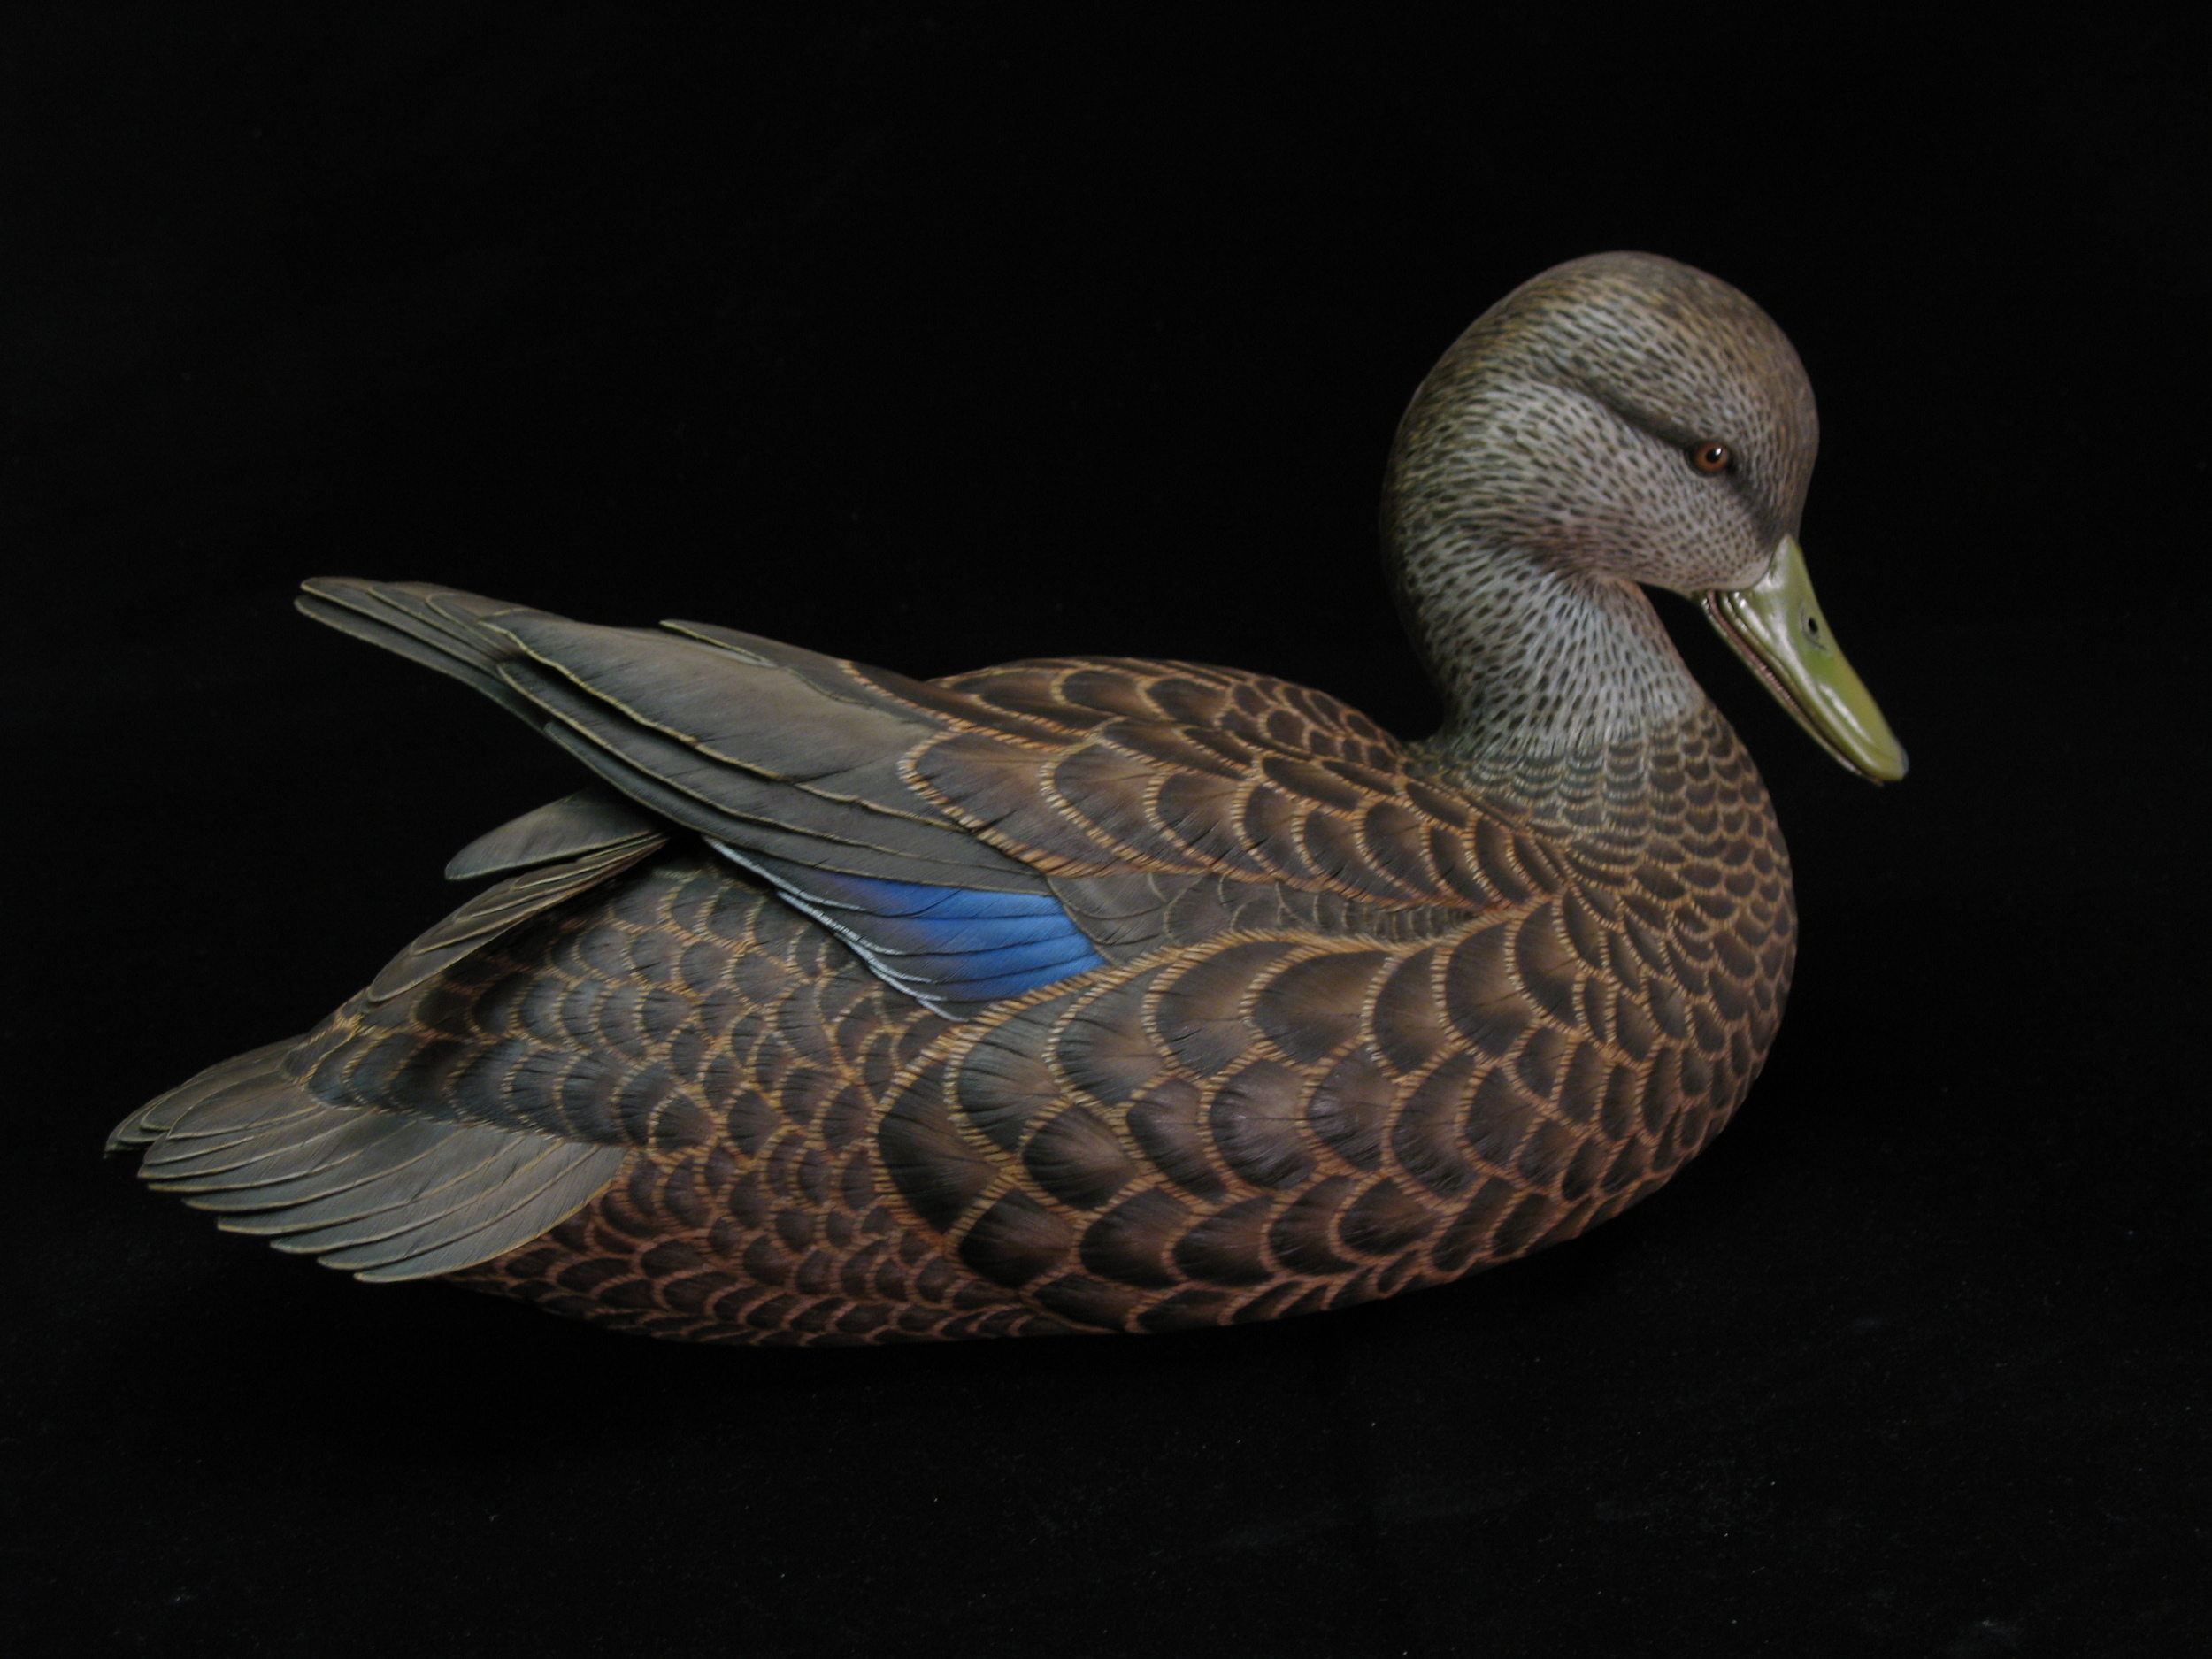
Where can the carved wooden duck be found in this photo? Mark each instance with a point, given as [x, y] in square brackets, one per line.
[1100, 995]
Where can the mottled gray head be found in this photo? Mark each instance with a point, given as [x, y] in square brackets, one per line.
[1622, 415]
[1618, 421]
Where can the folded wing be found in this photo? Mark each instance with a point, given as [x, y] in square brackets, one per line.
[790, 763]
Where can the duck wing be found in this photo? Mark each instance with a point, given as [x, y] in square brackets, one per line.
[765, 747]
[988, 836]
[789, 762]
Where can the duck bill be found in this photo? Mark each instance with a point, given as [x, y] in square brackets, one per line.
[1775, 626]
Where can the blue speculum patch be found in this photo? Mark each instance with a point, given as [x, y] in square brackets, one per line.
[943, 945]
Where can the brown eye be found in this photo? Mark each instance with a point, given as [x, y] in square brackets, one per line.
[1710, 457]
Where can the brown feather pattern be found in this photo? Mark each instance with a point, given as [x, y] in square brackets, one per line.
[1307, 1101]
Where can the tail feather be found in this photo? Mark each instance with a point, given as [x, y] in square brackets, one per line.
[157, 1116]
[299, 1174]
[384, 1195]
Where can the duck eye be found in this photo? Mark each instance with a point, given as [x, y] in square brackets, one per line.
[1710, 457]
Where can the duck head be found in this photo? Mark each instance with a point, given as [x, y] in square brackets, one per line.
[1621, 420]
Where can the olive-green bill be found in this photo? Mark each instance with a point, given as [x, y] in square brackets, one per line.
[1775, 626]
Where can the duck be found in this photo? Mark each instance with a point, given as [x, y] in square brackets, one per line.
[1104, 994]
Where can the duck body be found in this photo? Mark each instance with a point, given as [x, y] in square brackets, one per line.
[1070, 996]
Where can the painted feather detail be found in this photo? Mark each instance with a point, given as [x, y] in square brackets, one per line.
[1118, 995]
[955, 949]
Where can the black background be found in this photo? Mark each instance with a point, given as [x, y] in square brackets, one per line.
[944, 338]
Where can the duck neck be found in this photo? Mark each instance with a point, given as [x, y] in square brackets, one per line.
[1534, 659]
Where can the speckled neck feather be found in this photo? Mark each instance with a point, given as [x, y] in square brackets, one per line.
[1533, 661]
